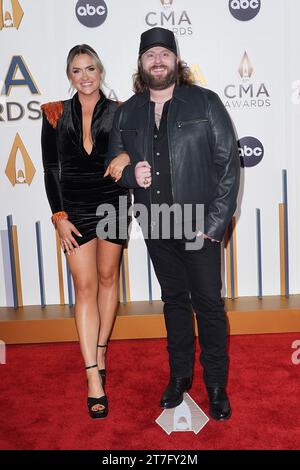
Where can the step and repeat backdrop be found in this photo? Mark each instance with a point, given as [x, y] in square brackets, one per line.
[246, 50]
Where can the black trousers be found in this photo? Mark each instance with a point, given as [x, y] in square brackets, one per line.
[192, 279]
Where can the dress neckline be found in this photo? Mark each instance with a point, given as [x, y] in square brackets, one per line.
[78, 111]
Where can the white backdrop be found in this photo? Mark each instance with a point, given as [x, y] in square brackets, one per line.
[261, 93]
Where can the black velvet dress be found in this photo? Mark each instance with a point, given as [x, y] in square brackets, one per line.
[73, 178]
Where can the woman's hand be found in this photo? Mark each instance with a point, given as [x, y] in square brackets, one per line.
[117, 165]
[143, 174]
[67, 241]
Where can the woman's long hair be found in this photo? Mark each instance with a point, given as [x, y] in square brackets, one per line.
[184, 77]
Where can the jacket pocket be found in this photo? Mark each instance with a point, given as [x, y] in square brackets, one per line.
[190, 121]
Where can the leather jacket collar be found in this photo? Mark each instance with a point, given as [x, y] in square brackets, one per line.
[178, 93]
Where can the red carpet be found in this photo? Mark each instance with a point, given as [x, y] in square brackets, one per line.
[43, 402]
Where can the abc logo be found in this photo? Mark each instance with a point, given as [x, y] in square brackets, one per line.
[251, 151]
[91, 13]
[244, 10]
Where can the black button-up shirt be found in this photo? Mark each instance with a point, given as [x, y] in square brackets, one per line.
[161, 187]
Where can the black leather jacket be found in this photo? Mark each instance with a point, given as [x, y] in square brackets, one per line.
[204, 158]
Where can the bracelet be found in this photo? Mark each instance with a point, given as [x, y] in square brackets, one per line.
[58, 216]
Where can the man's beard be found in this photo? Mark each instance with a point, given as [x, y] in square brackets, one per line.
[159, 83]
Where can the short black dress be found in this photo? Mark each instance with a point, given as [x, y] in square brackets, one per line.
[74, 179]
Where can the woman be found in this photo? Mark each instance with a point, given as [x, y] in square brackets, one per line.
[74, 145]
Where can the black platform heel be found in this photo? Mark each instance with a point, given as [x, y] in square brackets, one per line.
[91, 402]
[102, 372]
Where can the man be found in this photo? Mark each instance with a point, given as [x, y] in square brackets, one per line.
[182, 150]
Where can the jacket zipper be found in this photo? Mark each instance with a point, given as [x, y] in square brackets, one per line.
[146, 144]
[192, 121]
[170, 156]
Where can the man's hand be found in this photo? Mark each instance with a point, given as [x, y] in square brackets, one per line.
[143, 174]
[117, 165]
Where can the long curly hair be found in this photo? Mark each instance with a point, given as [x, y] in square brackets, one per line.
[184, 77]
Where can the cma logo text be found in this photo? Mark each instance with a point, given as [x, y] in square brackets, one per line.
[92, 13]
[178, 22]
[296, 354]
[251, 151]
[244, 10]
[18, 75]
[246, 93]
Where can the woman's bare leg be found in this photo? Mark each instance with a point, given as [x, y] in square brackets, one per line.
[83, 266]
[108, 264]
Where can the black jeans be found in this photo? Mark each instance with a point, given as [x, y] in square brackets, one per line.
[192, 278]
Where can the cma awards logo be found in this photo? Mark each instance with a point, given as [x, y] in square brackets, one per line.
[18, 75]
[251, 151]
[177, 21]
[91, 13]
[246, 94]
[11, 14]
[19, 168]
[244, 10]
